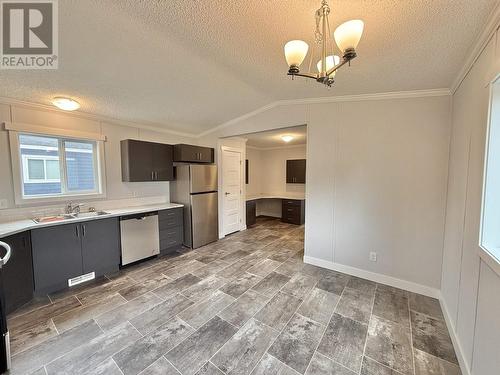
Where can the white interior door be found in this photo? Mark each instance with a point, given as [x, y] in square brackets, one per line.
[231, 185]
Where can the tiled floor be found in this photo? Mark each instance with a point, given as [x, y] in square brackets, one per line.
[244, 305]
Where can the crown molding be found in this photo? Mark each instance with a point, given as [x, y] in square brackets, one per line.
[332, 99]
[478, 46]
[100, 118]
[276, 148]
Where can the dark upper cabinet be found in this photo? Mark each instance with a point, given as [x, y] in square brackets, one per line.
[17, 274]
[193, 154]
[146, 161]
[296, 171]
[57, 256]
[100, 246]
[63, 252]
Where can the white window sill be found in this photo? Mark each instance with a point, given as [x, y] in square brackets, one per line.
[57, 199]
[488, 256]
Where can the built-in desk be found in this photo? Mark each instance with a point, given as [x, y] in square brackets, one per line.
[292, 207]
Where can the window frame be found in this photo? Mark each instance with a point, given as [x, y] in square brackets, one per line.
[26, 175]
[486, 253]
[18, 173]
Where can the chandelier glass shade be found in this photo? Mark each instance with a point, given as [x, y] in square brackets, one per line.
[347, 37]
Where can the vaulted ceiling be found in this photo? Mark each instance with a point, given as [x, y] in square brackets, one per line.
[192, 65]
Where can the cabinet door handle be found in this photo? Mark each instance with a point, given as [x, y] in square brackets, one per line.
[77, 231]
[24, 242]
[84, 230]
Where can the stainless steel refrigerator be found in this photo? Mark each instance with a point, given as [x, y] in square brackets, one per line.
[195, 187]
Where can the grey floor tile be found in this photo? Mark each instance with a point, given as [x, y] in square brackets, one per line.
[389, 344]
[319, 305]
[333, 282]
[426, 305]
[299, 286]
[371, 367]
[136, 290]
[145, 351]
[108, 367]
[204, 288]
[356, 305]
[321, 365]
[81, 314]
[264, 267]
[160, 314]
[34, 304]
[40, 371]
[236, 269]
[362, 285]
[54, 347]
[183, 269]
[176, 286]
[128, 311]
[431, 335]
[392, 305]
[290, 268]
[295, 346]
[104, 291]
[89, 355]
[201, 312]
[240, 285]
[210, 269]
[246, 306]
[235, 256]
[192, 353]
[160, 367]
[209, 369]
[243, 351]
[278, 311]
[268, 365]
[344, 341]
[271, 284]
[426, 364]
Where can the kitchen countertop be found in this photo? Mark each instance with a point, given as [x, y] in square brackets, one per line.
[9, 228]
[274, 196]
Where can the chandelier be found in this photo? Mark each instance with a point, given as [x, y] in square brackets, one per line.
[346, 36]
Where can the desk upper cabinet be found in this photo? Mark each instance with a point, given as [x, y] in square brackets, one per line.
[296, 171]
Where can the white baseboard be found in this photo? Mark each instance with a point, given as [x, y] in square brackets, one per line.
[376, 277]
[454, 338]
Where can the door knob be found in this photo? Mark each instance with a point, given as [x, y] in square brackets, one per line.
[226, 193]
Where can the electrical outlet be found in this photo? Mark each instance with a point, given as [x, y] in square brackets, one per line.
[3, 204]
[373, 256]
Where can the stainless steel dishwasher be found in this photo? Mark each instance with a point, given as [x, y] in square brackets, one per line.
[140, 237]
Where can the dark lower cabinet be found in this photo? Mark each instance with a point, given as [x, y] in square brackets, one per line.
[293, 211]
[17, 274]
[101, 246]
[63, 252]
[171, 226]
[251, 213]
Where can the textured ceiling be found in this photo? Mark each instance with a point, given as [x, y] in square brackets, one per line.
[272, 138]
[192, 65]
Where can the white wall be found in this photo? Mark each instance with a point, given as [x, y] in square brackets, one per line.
[376, 181]
[470, 289]
[118, 192]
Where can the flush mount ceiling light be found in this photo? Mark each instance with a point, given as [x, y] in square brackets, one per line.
[287, 138]
[346, 36]
[66, 104]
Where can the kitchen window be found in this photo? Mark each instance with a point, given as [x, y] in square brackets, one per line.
[48, 168]
[490, 224]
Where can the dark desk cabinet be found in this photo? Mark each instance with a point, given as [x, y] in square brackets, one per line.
[146, 161]
[193, 154]
[251, 213]
[293, 211]
[17, 274]
[66, 251]
[171, 226]
[296, 171]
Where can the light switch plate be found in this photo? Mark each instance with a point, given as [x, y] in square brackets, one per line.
[373, 256]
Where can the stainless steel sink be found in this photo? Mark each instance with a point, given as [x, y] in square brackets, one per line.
[83, 215]
[54, 218]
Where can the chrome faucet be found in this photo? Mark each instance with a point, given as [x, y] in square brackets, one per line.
[73, 209]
